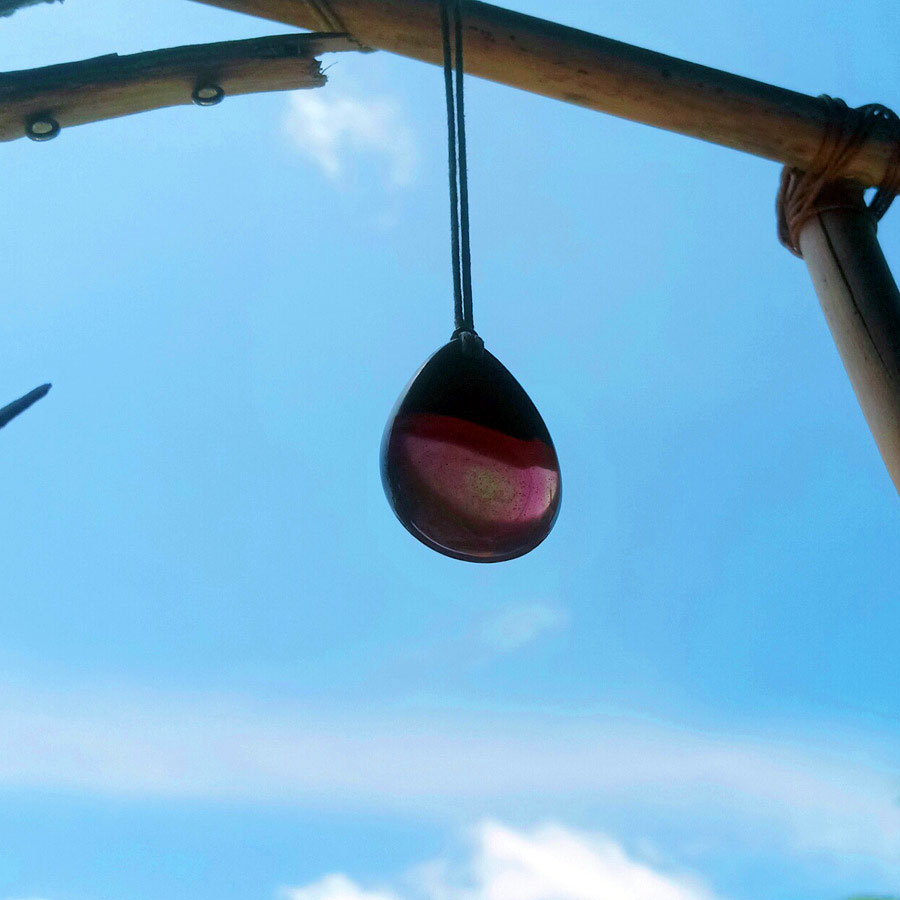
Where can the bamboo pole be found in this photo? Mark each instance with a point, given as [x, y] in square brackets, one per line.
[8, 7]
[111, 86]
[861, 302]
[588, 70]
[17, 407]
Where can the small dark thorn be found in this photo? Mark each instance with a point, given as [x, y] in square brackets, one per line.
[8, 413]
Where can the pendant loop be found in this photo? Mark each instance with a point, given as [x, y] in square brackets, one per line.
[471, 343]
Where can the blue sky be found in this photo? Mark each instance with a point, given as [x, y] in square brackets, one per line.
[227, 672]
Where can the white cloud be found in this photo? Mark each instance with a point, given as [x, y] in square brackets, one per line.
[520, 625]
[331, 127]
[334, 887]
[814, 797]
[547, 863]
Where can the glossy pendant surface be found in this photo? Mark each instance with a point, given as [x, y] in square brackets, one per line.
[467, 462]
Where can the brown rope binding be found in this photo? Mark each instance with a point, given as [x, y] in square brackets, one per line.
[803, 194]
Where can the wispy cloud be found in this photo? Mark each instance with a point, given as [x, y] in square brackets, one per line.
[519, 625]
[334, 887]
[547, 863]
[331, 128]
[795, 790]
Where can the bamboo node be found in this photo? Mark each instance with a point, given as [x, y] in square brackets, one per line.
[803, 193]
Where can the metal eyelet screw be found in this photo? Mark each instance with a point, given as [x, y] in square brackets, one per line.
[207, 94]
[42, 128]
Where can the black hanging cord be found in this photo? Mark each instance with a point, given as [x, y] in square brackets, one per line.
[456, 153]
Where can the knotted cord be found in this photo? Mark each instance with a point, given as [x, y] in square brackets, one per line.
[458, 170]
[846, 131]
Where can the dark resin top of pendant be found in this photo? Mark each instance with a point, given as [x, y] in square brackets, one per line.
[466, 460]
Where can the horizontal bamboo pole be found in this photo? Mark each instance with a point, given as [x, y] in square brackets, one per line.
[592, 71]
[111, 86]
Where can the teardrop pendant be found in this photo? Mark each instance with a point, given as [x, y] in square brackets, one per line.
[467, 463]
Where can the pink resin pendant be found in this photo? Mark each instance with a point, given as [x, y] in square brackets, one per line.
[467, 462]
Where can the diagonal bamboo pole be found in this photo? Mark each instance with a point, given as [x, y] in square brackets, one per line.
[17, 407]
[596, 72]
[110, 86]
[8, 7]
